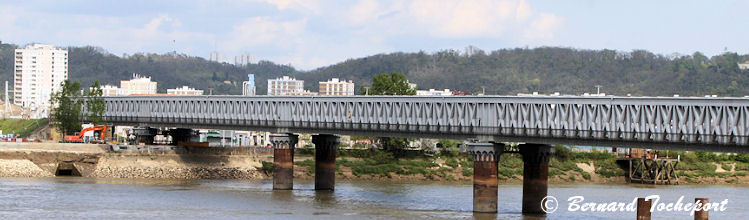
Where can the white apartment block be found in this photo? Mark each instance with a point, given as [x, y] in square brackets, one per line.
[244, 59]
[285, 86]
[434, 92]
[744, 65]
[110, 90]
[139, 85]
[337, 87]
[39, 71]
[184, 90]
[217, 57]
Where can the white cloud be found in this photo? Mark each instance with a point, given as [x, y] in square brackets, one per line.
[543, 26]
[306, 33]
[259, 31]
[479, 18]
[313, 6]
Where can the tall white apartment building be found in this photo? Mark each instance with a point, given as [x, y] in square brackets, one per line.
[39, 71]
[285, 86]
[139, 85]
[218, 57]
[337, 87]
[244, 59]
[184, 90]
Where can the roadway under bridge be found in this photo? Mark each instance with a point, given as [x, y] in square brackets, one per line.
[679, 123]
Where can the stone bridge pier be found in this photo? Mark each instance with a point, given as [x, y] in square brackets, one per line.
[325, 154]
[485, 182]
[283, 160]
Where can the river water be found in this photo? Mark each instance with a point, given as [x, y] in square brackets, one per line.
[85, 198]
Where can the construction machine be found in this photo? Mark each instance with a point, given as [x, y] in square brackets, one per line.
[78, 138]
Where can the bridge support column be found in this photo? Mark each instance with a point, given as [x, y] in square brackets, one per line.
[283, 160]
[180, 135]
[325, 153]
[535, 176]
[485, 182]
[145, 135]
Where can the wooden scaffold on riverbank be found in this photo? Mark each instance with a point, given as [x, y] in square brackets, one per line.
[649, 168]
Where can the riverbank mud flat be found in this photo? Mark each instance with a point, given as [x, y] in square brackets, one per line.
[100, 161]
[170, 162]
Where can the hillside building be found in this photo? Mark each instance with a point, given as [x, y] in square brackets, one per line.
[184, 90]
[434, 92]
[244, 60]
[110, 90]
[285, 86]
[744, 65]
[337, 87]
[138, 85]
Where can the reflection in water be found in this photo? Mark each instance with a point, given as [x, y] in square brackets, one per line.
[84, 198]
[325, 198]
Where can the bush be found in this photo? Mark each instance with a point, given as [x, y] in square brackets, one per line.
[381, 169]
[310, 164]
[741, 158]
[452, 162]
[742, 166]
[555, 172]
[688, 157]
[467, 162]
[592, 155]
[608, 168]
[565, 166]
[448, 148]
[707, 157]
[511, 161]
[509, 172]
[267, 167]
[562, 153]
[467, 171]
[586, 175]
[305, 151]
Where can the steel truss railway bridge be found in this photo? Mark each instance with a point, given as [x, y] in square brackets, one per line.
[683, 123]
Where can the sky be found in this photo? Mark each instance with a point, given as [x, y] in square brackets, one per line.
[308, 34]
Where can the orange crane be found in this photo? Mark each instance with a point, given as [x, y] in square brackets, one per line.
[102, 129]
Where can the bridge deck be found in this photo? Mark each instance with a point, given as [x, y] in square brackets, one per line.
[714, 124]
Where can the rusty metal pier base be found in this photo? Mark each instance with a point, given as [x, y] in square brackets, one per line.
[325, 153]
[643, 209]
[535, 176]
[701, 214]
[283, 160]
[485, 182]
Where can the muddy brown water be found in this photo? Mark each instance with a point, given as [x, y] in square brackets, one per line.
[88, 198]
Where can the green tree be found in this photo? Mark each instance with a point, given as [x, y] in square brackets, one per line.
[67, 111]
[393, 84]
[95, 105]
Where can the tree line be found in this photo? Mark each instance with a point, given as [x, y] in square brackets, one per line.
[498, 72]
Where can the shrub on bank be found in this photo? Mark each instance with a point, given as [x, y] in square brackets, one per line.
[267, 167]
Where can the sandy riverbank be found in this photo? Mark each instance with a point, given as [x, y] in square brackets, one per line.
[99, 161]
